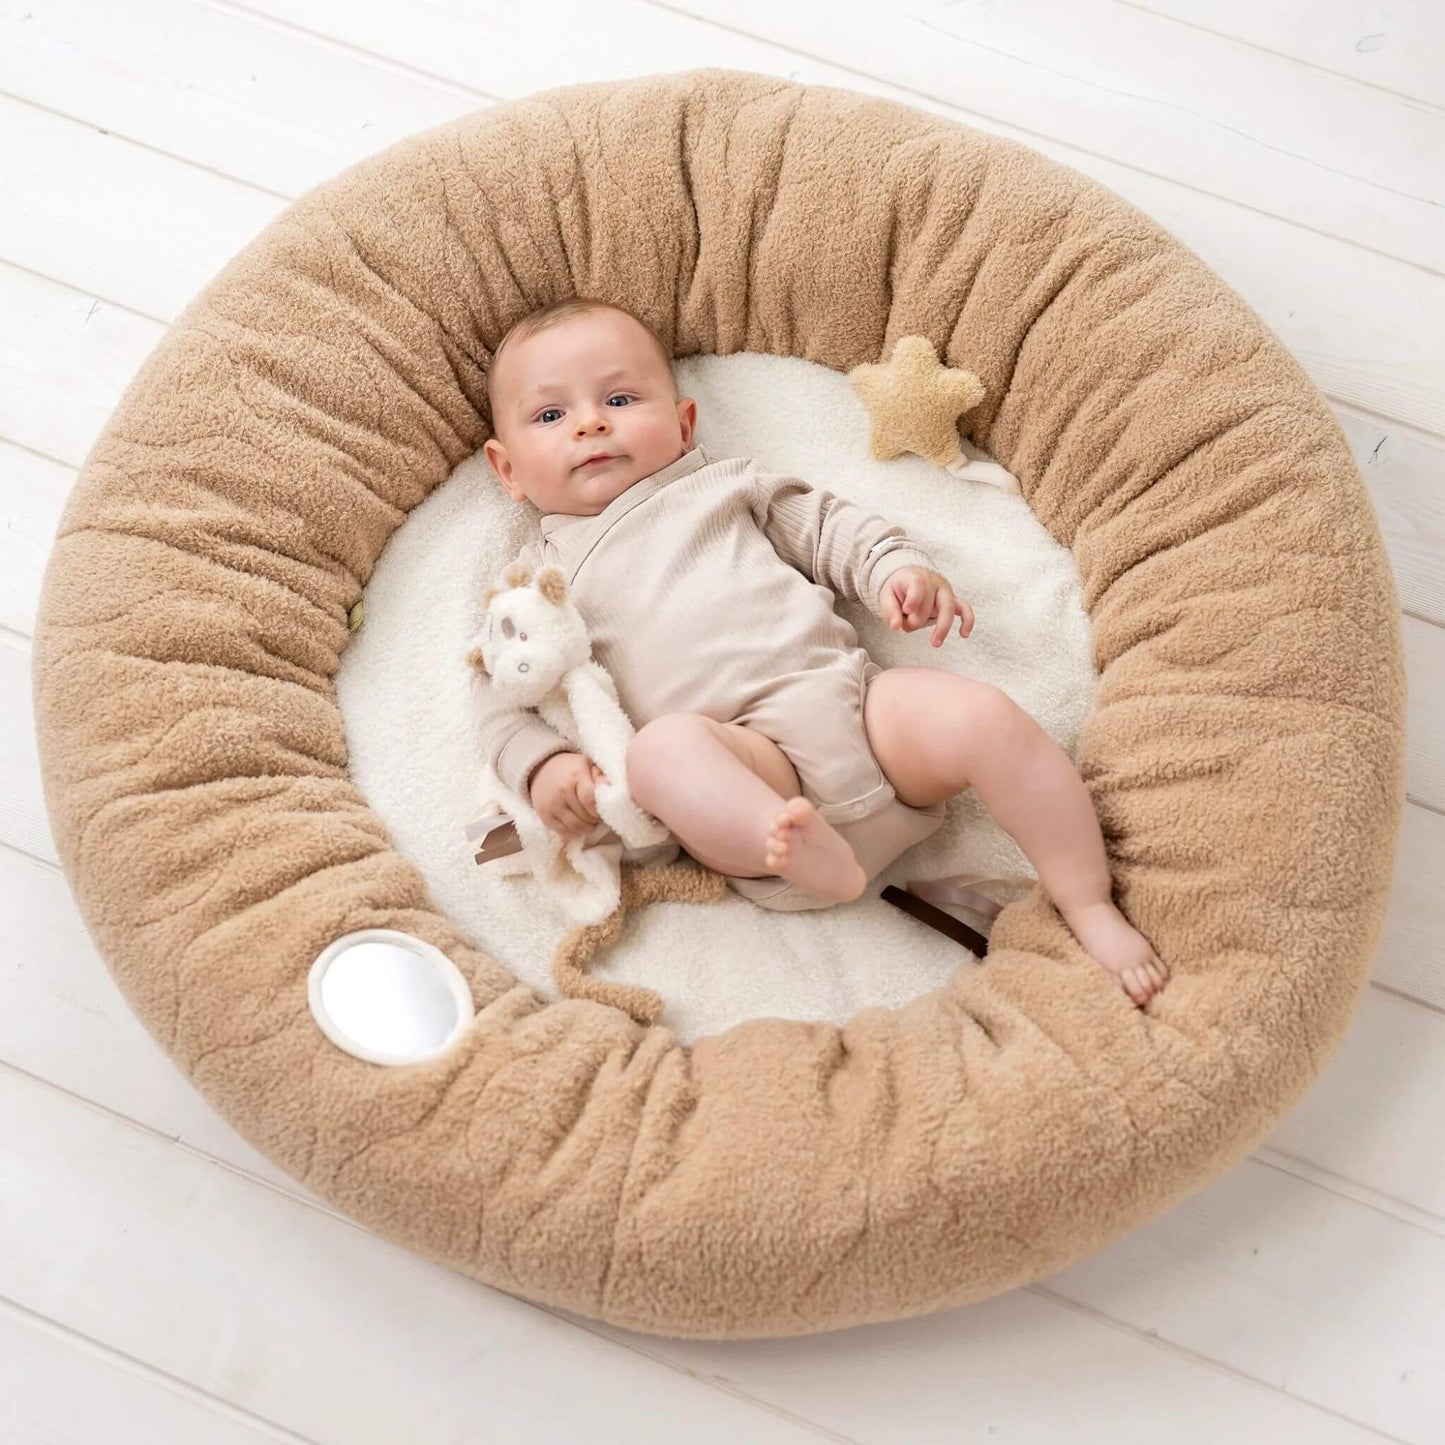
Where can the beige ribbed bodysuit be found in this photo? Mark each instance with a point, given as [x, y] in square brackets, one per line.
[705, 588]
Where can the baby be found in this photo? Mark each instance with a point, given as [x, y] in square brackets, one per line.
[767, 739]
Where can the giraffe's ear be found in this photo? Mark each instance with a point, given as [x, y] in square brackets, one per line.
[489, 594]
[552, 585]
[519, 574]
[476, 660]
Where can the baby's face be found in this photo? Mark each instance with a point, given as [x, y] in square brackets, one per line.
[595, 384]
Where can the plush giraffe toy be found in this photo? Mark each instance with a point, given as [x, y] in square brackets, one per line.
[534, 646]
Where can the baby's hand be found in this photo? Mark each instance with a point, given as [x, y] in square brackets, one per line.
[913, 596]
[564, 793]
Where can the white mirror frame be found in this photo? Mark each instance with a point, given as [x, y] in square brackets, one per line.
[449, 973]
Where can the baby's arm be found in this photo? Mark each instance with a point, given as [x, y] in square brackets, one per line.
[514, 740]
[830, 540]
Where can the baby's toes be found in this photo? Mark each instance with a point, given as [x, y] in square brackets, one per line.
[796, 811]
[1141, 981]
[784, 824]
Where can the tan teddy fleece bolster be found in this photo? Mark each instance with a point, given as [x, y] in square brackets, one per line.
[787, 1175]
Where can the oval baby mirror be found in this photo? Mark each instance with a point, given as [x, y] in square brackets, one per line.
[387, 997]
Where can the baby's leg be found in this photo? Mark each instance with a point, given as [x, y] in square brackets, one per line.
[732, 798]
[935, 733]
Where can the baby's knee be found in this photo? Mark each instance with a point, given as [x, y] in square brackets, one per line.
[656, 749]
[995, 712]
[995, 732]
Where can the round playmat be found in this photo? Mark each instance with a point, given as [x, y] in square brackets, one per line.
[1198, 605]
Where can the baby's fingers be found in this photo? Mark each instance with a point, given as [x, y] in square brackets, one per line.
[913, 603]
[946, 604]
[888, 603]
[587, 794]
[557, 820]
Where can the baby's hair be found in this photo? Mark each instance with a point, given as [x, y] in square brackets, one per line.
[554, 315]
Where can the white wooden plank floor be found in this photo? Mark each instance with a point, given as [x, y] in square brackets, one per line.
[161, 1280]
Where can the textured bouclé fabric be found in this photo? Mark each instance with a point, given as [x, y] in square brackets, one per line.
[1245, 753]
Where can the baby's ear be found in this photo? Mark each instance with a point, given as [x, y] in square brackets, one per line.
[476, 660]
[552, 585]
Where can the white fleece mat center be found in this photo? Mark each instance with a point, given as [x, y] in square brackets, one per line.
[403, 692]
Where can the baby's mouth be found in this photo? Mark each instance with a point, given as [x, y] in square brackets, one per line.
[596, 462]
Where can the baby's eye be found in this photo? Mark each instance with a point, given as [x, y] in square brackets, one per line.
[542, 415]
[621, 396]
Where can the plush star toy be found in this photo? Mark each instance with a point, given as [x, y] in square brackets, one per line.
[914, 402]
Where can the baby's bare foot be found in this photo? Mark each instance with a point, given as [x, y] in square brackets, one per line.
[1110, 939]
[804, 849]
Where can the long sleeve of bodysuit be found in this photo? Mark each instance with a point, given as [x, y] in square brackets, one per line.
[832, 541]
[513, 739]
